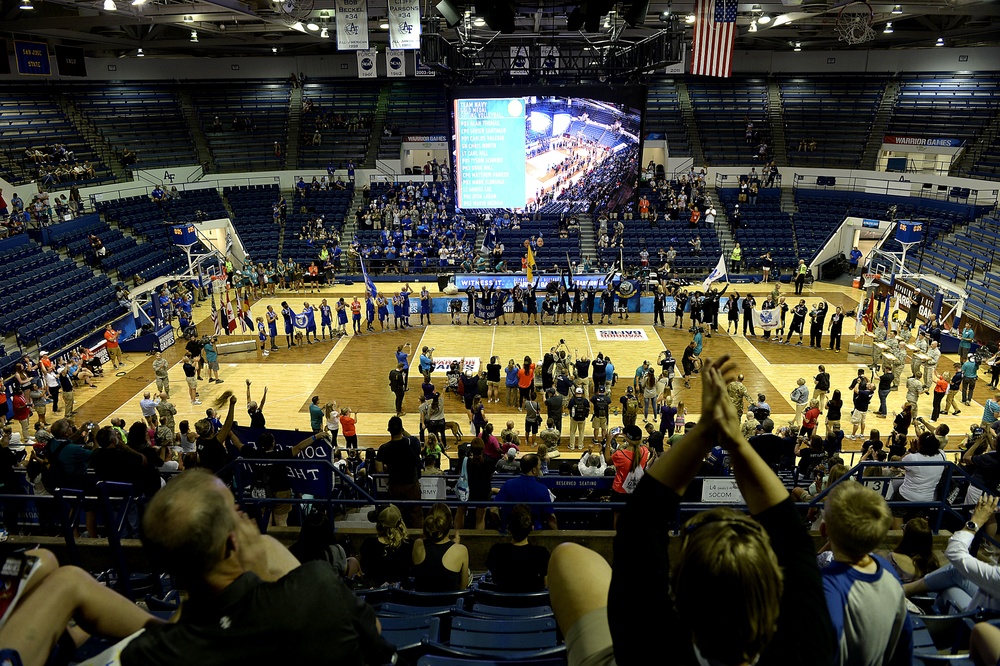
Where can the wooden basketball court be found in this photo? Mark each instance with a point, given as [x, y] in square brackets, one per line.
[353, 371]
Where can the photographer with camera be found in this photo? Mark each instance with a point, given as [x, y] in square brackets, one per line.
[981, 460]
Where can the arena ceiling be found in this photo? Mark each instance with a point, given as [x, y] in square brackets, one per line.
[256, 27]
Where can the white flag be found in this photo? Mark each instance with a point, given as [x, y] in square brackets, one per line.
[404, 24]
[767, 319]
[550, 60]
[366, 64]
[717, 273]
[519, 65]
[395, 63]
[352, 24]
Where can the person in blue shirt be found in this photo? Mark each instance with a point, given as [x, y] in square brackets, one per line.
[341, 317]
[426, 362]
[212, 359]
[965, 345]
[404, 358]
[609, 371]
[272, 326]
[383, 311]
[405, 303]
[511, 383]
[310, 315]
[970, 374]
[288, 315]
[325, 319]
[369, 312]
[425, 306]
[854, 259]
[527, 488]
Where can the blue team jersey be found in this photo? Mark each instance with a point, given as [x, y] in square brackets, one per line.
[324, 314]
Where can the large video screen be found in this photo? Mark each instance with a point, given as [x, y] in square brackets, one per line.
[578, 150]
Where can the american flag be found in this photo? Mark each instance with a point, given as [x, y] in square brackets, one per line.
[215, 317]
[714, 35]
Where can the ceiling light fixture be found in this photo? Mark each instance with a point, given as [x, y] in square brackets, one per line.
[690, 18]
[897, 9]
[888, 28]
[324, 33]
[26, 5]
[194, 36]
[274, 49]
[798, 46]
[189, 19]
[312, 26]
[140, 54]
[136, 3]
[383, 26]
[110, 6]
[764, 19]
[479, 22]
[940, 42]
[753, 26]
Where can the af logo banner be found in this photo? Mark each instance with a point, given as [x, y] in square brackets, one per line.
[395, 63]
[352, 25]
[519, 61]
[404, 24]
[366, 64]
[550, 60]
[767, 319]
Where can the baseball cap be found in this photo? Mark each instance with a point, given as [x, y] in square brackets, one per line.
[629, 389]
[579, 390]
[511, 453]
[633, 432]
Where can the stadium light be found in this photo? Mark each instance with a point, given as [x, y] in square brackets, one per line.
[139, 54]
[26, 5]
[383, 26]
[274, 49]
[690, 18]
[764, 19]
[753, 26]
[888, 28]
[136, 3]
[188, 19]
[940, 41]
[798, 46]
[194, 36]
[312, 26]
[324, 33]
[897, 9]
[110, 6]
[479, 22]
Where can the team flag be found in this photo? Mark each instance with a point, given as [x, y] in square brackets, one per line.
[714, 37]
[868, 314]
[369, 284]
[531, 264]
[230, 316]
[717, 273]
[215, 317]
[489, 241]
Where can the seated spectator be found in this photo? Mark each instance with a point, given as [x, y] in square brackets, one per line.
[508, 464]
[439, 564]
[388, 556]
[318, 542]
[965, 583]
[913, 558]
[518, 566]
[920, 482]
[592, 464]
[865, 599]
[250, 599]
[527, 488]
[772, 614]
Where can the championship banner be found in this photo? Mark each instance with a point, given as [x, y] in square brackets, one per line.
[404, 24]
[550, 60]
[70, 61]
[366, 64]
[519, 61]
[305, 479]
[352, 25]
[493, 308]
[767, 319]
[395, 64]
[420, 69]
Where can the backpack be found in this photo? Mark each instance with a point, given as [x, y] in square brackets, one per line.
[631, 407]
[632, 479]
[579, 409]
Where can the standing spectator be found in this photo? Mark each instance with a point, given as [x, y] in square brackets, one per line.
[800, 276]
[821, 384]
[348, 426]
[212, 359]
[315, 415]
[166, 411]
[854, 259]
[836, 328]
[738, 395]
[525, 380]
[401, 454]
[579, 411]
[161, 372]
[189, 376]
[914, 387]
[800, 398]
[940, 390]
[885, 381]
[397, 384]
[66, 384]
[970, 374]
[114, 350]
[862, 399]
[834, 408]
[22, 411]
[954, 388]
[965, 344]
[148, 408]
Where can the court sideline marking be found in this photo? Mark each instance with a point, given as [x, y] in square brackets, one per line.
[337, 350]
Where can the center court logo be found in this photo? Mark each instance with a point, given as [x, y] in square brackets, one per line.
[620, 334]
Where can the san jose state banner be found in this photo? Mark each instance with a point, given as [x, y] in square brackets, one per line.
[367, 68]
[352, 24]
[395, 63]
[767, 319]
[404, 24]
[32, 58]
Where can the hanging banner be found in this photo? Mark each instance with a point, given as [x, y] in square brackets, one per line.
[366, 64]
[70, 61]
[352, 24]
[419, 68]
[32, 58]
[395, 63]
[550, 60]
[519, 61]
[404, 24]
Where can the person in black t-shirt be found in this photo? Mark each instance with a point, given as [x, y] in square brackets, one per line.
[598, 367]
[582, 370]
[493, 369]
[194, 348]
[862, 399]
[256, 411]
[211, 444]
[518, 566]
[401, 455]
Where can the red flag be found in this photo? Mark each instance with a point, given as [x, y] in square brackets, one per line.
[870, 314]
[230, 316]
[714, 37]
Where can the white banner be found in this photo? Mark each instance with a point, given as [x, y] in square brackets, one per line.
[550, 60]
[519, 61]
[620, 334]
[767, 319]
[395, 63]
[443, 365]
[717, 273]
[367, 68]
[419, 68]
[404, 24]
[352, 24]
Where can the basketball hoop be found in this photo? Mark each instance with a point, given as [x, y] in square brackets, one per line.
[870, 279]
[854, 23]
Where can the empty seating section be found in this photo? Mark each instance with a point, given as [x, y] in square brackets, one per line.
[143, 117]
[77, 242]
[414, 108]
[762, 228]
[30, 117]
[332, 205]
[947, 105]
[264, 104]
[254, 222]
[337, 104]
[984, 296]
[988, 164]
[66, 301]
[836, 111]
[721, 111]
[663, 116]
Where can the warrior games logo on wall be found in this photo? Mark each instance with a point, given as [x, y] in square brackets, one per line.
[620, 334]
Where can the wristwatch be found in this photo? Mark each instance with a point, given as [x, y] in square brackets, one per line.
[971, 526]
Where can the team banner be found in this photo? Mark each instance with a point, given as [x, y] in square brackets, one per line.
[550, 60]
[352, 25]
[395, 63]
[32, 58]
[404, 24]
[305, 479]
[519, 61]
[492, 307]
[366, 64]
[420, 69]
[767, 319]
[70, 61]
[930, 142]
